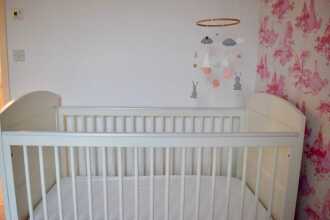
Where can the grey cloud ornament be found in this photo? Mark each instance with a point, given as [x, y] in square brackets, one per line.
[229, 42]
[207, 40]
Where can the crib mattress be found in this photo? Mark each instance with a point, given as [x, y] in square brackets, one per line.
[144, 199]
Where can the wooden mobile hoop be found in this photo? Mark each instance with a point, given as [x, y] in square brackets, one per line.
[218, 22]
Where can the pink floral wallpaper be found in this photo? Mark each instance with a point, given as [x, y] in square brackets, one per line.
[294, 63]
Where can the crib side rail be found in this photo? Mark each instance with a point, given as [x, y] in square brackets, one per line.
[151, 142]
[266, 139]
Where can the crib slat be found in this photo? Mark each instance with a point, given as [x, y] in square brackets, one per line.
[134, 124]
[167, 181]
[222, 124]
[203, 124]
[58, 182]
[96, 154]
[221, 167]
[183, 171]
[163, 124]
[198, 181]
[105, 190]
[214, 170]
[94, 123]
[184, 124]
[136, 183]
[228, 187]
[153, 124]
[75, 130]
[193, 118]
[114, 124]
[43, 184]
[243, 186]
[212, 124]
[28, 181]
[64, 151]
[120, 182]
[240, 123]
[260, 152]
[105, 124]
[144, 124]
[81, 151]
[172, 161]
[124, 124]
[272, 186]
[74, 185]
[89, 184]
[151, 200]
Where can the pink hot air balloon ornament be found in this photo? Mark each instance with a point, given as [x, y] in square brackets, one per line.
[206, 66]
[227, 73]
[216, 83]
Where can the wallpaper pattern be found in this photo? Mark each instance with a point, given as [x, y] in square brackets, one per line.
[294, 63]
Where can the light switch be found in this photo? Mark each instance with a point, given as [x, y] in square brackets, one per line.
[19, 55]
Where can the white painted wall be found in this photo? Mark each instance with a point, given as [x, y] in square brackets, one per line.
[120, 52]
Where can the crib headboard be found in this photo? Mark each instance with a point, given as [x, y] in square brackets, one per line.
[149, 120]
[35, 111]
[269, 113]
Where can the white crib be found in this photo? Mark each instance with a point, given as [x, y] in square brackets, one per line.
[62, 162]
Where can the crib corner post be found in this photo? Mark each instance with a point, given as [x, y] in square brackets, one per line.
[57, 116]
[7, 180]
[295, 158]
[59, 119]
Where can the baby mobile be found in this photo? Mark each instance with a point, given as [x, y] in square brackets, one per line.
[217, 63]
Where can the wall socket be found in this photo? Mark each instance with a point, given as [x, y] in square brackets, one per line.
[17, 13]
[19, 55]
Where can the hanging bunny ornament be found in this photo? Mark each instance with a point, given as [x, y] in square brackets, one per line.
[194, 94]
[237, 84]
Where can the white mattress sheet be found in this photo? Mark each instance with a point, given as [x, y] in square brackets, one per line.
[144, 199]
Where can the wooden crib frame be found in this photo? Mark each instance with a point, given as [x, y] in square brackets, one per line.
[38, 119]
